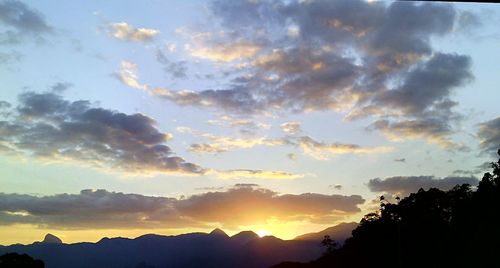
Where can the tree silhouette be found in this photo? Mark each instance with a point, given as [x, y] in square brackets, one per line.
[433, 228]
[329, 244]
[14, 260]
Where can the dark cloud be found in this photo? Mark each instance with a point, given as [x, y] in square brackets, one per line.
[174, 69]
[489, 136]
[10, 57]
[336, 186]
[60, 87]
[21, 21]
[363, 59]
[401, 160]
[404, 185]
[428, 85]
[49, 127]
[241, 205]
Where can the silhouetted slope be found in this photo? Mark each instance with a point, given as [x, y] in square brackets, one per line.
[338, 233]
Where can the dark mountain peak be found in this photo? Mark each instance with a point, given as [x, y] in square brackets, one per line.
[51, 239]
[218, 232]
[244, 237]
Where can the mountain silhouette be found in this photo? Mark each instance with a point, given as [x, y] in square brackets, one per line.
[51, 239]
[214, 249]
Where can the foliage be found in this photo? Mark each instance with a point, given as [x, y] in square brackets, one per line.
[433, 228]
[14, 260]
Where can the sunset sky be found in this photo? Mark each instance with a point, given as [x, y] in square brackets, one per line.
[120, 118]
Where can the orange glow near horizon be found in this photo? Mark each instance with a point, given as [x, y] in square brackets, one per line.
[27, 234]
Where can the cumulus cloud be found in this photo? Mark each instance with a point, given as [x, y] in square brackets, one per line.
[20, 22]
[127, 32]
[46, 126]
[489, 136]
[359, 58]
[404, 185]
[243, 204]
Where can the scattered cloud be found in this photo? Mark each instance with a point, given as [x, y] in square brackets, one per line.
[382, 66]
[489, 136]
[240, 205]
[311, 147]
[60, 87]
[400, 160]
[336, 186]
[222, 52]
[128, 75]
[404, 185]
[321, 150]
[10, 57]
[20, 22]
[255, 174]
[291, 128]
[174, 69]
[127, 32]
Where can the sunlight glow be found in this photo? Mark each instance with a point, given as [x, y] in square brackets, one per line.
[262, 233]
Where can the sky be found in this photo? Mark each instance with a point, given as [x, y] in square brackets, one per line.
[121, 118]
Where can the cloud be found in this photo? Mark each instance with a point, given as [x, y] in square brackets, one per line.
[220, 144]
[127, 32]
[20, 21]
[173, 69]
[48, 127]
[321, 151]
[128, 75]
[10, 57]
[404, 185]
[313, 148]
[358, 58]
[223, 52]
[240, 205]
[291, 127]
[60, 87]
[489, 136]
[244, 125]
[336, 186]
[255, 174]
[401, 160]
[434, 130]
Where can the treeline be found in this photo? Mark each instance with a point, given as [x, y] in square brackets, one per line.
[434, 228]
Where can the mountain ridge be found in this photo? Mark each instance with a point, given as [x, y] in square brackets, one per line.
[214, 249]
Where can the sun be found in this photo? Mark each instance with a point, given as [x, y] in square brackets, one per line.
[262, 233]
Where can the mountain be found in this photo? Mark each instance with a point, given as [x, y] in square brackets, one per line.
[214, 249]
[338, 233]
[51, 239]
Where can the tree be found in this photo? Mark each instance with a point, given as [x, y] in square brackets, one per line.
[14, 260]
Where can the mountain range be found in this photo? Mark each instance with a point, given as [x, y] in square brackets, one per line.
[214, 249]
